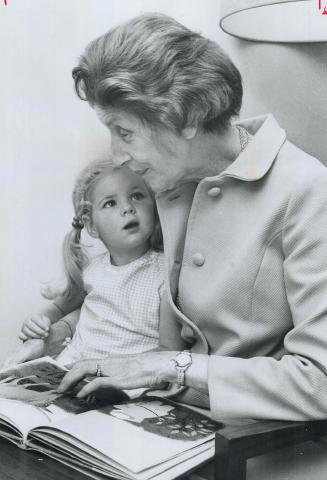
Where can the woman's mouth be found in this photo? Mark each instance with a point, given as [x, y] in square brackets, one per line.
[141, 172]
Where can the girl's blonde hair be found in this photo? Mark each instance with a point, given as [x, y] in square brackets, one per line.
[74, 252]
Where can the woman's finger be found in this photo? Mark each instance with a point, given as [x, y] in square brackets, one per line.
[69, 366]
[77, 373]
[94, 385]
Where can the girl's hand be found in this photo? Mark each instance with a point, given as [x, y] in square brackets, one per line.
[36, 326]
[123, 372]
[30, 350]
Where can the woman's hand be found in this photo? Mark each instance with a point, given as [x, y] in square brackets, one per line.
[123, 372]
[36, 326]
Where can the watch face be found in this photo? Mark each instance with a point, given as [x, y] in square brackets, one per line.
[183, 359]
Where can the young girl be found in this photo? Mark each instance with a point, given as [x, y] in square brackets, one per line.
[118, 291]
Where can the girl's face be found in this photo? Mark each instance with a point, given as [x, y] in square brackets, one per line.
[122, 214]
[162, 158]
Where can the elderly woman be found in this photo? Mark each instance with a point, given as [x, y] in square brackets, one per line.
[243, 214]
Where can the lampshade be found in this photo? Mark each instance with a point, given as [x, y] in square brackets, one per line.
[291, 21]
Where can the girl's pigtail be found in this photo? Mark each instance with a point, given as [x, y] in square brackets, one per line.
[74, 253]
[75, 259]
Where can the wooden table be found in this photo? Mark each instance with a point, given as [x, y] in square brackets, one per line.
[234, 445]
[17, 464]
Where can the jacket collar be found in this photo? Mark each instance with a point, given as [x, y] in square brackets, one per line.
[255, 161]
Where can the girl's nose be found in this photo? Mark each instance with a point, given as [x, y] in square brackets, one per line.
[127, 210]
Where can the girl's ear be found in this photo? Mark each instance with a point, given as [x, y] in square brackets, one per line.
[90, 227]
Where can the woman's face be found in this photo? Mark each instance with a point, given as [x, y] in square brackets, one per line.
[161, 157]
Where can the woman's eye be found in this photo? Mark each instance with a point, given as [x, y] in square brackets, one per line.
[137, 196]
[109, 204]
[124, 134]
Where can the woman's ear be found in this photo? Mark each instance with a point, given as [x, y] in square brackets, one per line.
[189, 132]
[90, 227]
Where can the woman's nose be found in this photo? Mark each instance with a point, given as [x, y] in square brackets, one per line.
[119, 156]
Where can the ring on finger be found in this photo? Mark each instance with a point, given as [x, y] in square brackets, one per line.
[97, 370]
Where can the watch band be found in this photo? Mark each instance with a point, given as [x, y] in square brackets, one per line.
[180, 376]
[182, 361]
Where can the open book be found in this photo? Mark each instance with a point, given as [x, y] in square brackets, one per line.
[137, 439]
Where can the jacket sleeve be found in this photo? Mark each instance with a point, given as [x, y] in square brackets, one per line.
[170, 337]
[294, 387]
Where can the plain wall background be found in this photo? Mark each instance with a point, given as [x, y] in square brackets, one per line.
[47, 134]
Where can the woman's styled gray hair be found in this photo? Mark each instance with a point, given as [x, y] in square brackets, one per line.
[74, 252]
[163, 73]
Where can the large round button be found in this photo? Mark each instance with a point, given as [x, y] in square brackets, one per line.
[214, 191]
[198, 259]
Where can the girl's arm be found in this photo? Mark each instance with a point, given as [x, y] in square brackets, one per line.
[65, 305]
[52, 345]
[61, 330]
[38, 325]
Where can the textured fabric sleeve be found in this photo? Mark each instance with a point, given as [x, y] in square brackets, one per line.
[161, 289]
[169, 328]
[294, 387]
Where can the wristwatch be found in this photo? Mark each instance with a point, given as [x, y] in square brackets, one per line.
[182, 361]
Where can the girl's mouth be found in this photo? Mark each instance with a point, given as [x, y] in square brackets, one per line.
[130, 225]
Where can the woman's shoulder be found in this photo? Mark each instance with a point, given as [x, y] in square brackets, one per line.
[301, 179]
[300, 165]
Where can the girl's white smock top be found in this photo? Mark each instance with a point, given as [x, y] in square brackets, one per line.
[120, 313]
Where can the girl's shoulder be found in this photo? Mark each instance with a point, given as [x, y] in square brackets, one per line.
[156, 257]
[159, 263]
[157, 266]
[97, 261]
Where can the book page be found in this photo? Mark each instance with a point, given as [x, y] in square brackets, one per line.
[21, 418]
[29, 398]
[94, 467]
[121, 434]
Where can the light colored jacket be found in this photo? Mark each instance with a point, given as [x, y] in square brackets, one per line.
[246, 251]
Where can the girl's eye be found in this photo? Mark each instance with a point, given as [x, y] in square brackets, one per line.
[109, 204]
[137, 196]
[124, 134]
